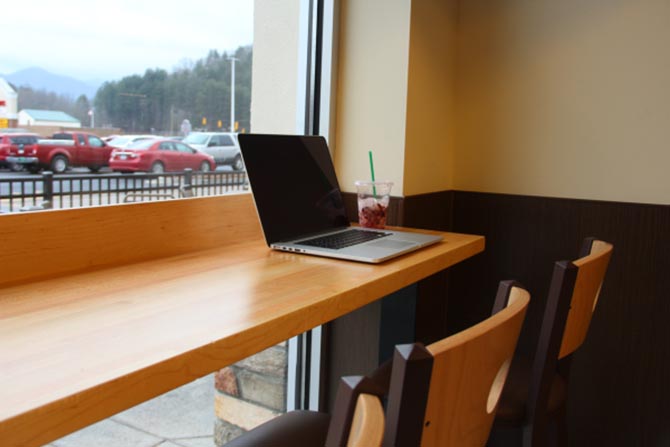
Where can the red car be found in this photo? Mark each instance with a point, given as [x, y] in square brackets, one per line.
[158, 156]
[13, 146]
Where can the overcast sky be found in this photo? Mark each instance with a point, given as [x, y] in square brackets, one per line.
[105, 41]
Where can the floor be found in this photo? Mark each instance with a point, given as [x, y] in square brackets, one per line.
[181, 418]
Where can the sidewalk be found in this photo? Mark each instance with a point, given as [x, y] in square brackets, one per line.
[181, 418]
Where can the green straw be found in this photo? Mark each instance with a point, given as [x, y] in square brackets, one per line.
[372, 173]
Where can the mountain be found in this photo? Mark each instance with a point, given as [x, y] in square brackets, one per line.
[40, 79]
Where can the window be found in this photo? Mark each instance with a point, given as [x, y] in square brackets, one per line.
[183, 148]
[23, 140]
[94, 141]
[225, 140]
[189, 96]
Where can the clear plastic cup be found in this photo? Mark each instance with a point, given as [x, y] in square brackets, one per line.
[373, 202]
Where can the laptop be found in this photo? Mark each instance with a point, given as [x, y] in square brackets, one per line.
[300, 205]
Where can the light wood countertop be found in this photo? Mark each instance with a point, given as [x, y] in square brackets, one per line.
[85, 344]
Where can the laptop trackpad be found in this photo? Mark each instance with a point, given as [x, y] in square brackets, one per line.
[389, 243]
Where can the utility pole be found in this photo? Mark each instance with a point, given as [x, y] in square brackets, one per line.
[232, 93]
[172, 120]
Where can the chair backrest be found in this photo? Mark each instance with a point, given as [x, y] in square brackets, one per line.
[367, 427]
[591, 266]
[456, 382]
[573, 294]
[355, 421]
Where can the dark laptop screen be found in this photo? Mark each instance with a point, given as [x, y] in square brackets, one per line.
[294, 185]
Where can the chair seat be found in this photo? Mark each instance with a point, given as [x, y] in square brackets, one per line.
[296, 428]
[512, 406]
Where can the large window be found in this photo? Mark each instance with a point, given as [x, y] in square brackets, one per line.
[139, 68]
[143, 71]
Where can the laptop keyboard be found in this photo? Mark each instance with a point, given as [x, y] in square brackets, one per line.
[344, 239]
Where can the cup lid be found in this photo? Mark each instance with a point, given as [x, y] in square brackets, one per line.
[370, 182]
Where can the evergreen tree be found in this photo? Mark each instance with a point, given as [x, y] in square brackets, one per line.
[158, 101]
[200, 92]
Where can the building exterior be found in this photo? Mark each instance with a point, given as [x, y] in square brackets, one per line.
[32, 117]
[8, 105]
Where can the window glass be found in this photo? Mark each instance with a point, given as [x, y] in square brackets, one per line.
[119, 141]
[181, 147]
[141, 144]
[94, 141]
[81, 139]
[196, 138]
[23, 140]
[62, 136]
[147, 79]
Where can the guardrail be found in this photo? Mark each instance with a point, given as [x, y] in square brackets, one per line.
[30, 193]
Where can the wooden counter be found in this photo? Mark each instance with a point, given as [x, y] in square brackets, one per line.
[88, 336]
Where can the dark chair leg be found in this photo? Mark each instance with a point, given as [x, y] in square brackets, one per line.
[504, 437]
[534, 435]
[562, 427]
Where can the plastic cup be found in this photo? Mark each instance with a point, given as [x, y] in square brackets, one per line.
[373, 202]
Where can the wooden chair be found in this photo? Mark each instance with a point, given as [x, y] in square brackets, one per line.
[536, 391]
[444, 394]
[367, 427]
[357, 421]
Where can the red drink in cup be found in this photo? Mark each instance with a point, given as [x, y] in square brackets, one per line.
[373, 202]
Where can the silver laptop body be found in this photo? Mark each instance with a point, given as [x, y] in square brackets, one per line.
[298, 200]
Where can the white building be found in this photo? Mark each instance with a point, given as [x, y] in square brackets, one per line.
[32, 117]
[8, 105]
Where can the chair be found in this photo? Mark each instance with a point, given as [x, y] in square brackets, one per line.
[536, 391]
[444, 394]
[357, 421]
[367, 427]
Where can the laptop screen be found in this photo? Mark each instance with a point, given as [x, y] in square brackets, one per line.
[294, 185]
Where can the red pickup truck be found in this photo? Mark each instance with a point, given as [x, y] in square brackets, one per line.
[64, 150]
[15, 143]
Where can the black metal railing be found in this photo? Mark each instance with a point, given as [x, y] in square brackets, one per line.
[29, 193]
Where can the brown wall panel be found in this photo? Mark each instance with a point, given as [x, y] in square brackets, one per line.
[619, 385]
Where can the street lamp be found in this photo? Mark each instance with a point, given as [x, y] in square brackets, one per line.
[232, 93]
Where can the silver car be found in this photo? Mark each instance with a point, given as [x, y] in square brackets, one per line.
[221, 145]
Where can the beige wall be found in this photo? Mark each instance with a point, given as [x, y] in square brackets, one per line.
[372, 86]
[568, 99]
[395, 93]
[429, 139]
[565, 99]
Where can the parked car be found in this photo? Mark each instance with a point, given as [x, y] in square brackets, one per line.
[109, 137]
[64, 150]
[222, 146]
[17, 145]
[158, 156]
[122, 141]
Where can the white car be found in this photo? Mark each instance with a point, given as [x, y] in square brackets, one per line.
[221, 145]
[123, 141]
